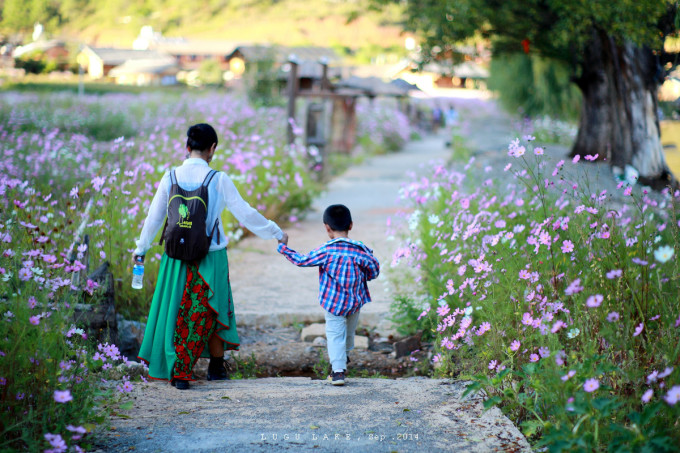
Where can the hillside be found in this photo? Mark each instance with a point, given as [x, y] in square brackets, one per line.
[286, 22]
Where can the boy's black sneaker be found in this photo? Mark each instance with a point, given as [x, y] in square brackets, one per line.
[337, 378]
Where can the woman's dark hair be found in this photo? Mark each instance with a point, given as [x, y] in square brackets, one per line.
[201, 136]
[338, 217]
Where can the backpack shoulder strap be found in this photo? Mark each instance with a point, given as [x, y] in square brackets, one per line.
[211, 174]
[173, 177]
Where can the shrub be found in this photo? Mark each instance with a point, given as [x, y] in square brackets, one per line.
[381, 127]
[559, 296]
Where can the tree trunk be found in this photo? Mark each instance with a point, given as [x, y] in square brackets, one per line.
[619, 118]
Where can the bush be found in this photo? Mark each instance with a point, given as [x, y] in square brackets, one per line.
[51, 375]
[381, 128]
[558, 296]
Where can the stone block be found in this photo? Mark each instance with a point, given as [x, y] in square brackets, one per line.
[407, 345]
[360, 342]
[310, 332]
[319, 342]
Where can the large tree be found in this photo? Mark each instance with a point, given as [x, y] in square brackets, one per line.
[615, 50]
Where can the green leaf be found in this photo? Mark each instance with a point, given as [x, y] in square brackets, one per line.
[127, 405]
[490, 402]
[313, 427]
[226, 398]
[406, 409]
[531, 427]
[183, 413]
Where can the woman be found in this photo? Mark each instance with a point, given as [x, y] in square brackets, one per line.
[192, 305]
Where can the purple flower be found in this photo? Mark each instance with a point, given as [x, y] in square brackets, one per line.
[591, 385]
[639, 329]
[62, 396]
[57, 442]
[514, 346]
[673, 395]
[35, 320]
[25, 274]
[568, 376]
[443, 311]
[567, 246]
[544, 351]
[534, 358]
[559, 324]
[647, 396]
[492, 364]
[613, 317]
[574, 287]
[594, 301]
[615, 273]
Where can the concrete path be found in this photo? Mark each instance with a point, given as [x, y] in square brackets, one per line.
[303, 415]
[268, 290]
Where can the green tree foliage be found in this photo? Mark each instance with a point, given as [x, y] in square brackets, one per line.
[559, 30]
[533, 85]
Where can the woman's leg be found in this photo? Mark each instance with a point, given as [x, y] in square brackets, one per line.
[215, 346]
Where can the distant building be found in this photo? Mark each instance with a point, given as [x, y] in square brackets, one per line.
[245, 55]
[99, 61]
[146, 72]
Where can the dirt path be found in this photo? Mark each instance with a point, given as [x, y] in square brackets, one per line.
[303, 415]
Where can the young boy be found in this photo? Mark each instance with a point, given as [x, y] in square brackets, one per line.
[344, 268]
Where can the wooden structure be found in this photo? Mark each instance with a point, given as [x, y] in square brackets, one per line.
[330, 121]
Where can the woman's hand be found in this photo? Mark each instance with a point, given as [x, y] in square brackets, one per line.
[284, 239]
[136, 259]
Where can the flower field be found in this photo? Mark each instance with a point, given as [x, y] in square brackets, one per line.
[556, 297]
[89, 166]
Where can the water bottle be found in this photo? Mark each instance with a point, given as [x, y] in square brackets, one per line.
[138, 273]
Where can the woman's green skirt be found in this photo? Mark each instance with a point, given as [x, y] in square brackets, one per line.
[158, 348]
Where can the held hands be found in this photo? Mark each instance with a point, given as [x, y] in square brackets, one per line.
[284, 239]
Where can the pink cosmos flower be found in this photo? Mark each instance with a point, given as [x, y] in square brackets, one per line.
[627, 191]
[574, 287]
[492, 364]
[567, 246]
[559, 324]
[639, 329]
[568, 376]
[514, 346]
[647, 396]
[594, 301]
[443, 311]
[591, 385]
[614, 273]
[539, 151]
[613, 317]
[544, 352]
[576, 158]
[25, 274]
[32, 303]
[673, 395]
[524, 274]
[62, 396]
[57, 442]
[533, 358]
[35, 320]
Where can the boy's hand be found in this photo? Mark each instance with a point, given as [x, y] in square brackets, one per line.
[284, 239]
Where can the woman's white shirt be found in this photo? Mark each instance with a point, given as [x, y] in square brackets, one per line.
[222, 193]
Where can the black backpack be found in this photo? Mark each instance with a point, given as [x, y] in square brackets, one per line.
[185, 226]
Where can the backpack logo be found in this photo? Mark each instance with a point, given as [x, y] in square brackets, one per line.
[183, 212]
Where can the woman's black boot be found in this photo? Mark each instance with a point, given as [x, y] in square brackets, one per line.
[217, 369]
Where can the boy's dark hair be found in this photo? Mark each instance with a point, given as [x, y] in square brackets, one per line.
[201, 136]
[338, 217]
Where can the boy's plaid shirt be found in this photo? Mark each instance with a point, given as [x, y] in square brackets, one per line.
[344, 268]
